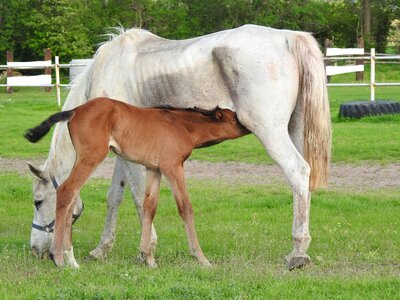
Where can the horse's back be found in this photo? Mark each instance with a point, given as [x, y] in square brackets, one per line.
[202, 71]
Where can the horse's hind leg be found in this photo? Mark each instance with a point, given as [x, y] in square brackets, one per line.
[149, 210]
[277, 141]
[176, 178]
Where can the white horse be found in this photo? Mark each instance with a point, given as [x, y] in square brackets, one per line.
[274, 80]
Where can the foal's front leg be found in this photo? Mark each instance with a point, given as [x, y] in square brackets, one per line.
[149, 210]
[68, 249]
[66, 195]
[176, 179]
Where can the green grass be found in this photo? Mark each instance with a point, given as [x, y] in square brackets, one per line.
[24, 109]
[244, 231]
[374, 139]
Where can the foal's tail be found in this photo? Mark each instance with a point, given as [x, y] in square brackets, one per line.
[35, 134]
[313, 106]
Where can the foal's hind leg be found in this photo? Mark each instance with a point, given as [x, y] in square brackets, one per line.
[149, 211]
[66, 195]
[176, 178]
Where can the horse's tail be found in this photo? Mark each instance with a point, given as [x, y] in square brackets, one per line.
[35, 134]
[312, 110]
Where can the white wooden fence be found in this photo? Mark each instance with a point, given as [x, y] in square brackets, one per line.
[354, 54]
[39, 80]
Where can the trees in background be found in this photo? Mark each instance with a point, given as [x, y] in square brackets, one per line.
[73, 28]
[383, 13]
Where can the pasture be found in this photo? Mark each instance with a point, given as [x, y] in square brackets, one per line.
[244, 229]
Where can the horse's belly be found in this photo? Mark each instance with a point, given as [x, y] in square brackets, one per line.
[185, 91]
[185, 82]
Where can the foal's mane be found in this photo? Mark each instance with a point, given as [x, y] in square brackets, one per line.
[205, 112]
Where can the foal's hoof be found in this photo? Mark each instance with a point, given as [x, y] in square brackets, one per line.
[58, 263]
[205, 263]
[148, 261]
[297, 261]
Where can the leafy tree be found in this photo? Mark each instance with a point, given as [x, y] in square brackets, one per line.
[12, 32]
[73, 28]
[57, 24]
[169, 19]
[343, 23]
[383, 13]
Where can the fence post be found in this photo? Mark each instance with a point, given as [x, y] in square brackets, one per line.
[57, 70]
[10, 58]
[360, 75]
[47, 71]
[327, 44]
[372, 83]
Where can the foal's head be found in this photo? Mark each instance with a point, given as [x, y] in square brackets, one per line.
[230, 125]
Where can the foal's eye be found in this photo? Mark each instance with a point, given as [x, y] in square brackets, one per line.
[38, 203]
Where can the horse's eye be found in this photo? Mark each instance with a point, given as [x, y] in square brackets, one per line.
[38, 203]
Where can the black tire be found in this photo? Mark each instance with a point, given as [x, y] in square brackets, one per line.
[359, 109]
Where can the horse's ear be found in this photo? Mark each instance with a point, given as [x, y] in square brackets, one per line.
[37, 172]
[218, 115]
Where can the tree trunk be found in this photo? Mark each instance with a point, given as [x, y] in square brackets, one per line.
[366, 21]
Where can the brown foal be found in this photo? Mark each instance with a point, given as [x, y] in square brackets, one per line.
[161, 139]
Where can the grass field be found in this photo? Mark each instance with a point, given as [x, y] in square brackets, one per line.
[244, 230]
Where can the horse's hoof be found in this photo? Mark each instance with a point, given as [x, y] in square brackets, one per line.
[97, 254]
[74, 265]
[298, 261]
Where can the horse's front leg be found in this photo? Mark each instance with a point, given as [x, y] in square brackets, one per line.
[175, 176]
[149, 210]
[114, 198]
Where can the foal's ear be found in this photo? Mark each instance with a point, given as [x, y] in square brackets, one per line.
[218, 115]
[37, 172]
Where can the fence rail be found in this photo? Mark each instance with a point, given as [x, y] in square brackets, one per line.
[38, 80]
[372, 58]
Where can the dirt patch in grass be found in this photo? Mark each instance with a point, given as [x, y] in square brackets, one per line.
[343, 177]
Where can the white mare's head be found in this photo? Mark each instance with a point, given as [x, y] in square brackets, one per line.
[44, 199]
